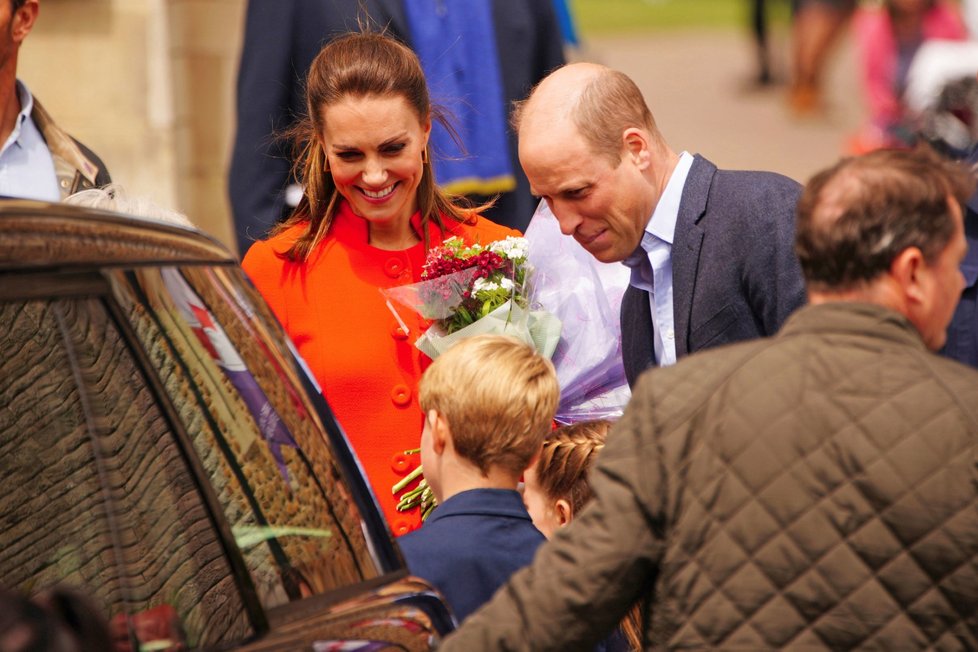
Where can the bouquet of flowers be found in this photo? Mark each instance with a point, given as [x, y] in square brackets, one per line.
[467, 290]
[471, 289]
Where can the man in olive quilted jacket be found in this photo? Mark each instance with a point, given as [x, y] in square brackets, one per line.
[816, 490]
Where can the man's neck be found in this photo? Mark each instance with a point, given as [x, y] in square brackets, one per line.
[9, 97]
[9, 104]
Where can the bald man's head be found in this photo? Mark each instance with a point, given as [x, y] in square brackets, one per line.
[599, 102]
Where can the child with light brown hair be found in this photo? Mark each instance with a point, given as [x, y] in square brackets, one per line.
[488, 404]
[556, 489]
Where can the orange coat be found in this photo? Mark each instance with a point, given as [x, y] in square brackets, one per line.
[366, 365]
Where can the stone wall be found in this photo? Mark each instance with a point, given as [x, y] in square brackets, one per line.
[149, 86]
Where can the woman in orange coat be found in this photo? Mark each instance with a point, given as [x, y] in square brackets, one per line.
[370, 211]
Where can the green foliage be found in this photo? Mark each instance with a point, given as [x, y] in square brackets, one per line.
[598, 17]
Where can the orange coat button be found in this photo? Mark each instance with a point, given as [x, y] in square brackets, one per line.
[393, 267]
[401, 395]
[397, 332]
[401, 526]
[401, 463]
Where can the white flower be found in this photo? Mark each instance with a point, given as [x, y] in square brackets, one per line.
[515, 249]
[484, 285]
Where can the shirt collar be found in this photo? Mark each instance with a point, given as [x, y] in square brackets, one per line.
[662, 224]
[26, 107]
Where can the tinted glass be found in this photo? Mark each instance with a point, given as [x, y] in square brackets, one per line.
[94, 491]
[261, 443]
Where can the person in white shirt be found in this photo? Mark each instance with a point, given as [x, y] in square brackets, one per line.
[38, 160]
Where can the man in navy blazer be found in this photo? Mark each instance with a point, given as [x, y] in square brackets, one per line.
[280, 41]
[711, 251]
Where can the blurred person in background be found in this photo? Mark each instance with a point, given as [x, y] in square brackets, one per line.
[479, 56]
[888, 37]
[816, 28]
[39, 160]
[962, 333]
[369, 213]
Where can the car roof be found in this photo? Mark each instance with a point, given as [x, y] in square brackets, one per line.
[42, 235]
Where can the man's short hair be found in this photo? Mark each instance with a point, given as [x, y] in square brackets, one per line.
[856, 217]
[17, 4]
[609, 104]
[498, 396]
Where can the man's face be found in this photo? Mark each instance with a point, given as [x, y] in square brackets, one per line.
[942, 285]
[14, 28]
[605, 207]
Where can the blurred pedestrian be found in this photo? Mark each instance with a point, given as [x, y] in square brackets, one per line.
[816, 28]
[813, 490]
[479, 55]
[888, 38]
[962, 333]
[39, 160]
[710, 250]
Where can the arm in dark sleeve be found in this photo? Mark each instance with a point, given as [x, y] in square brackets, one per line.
[260, 164]
[773, 281]
[583, 581]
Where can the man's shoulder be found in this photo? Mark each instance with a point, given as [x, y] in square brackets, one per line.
[756, 182]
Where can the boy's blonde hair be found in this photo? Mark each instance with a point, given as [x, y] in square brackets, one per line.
[498, 396]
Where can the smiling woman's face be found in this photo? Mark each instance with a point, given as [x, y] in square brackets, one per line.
[374, 146]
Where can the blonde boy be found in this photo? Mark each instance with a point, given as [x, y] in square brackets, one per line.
[488, 402]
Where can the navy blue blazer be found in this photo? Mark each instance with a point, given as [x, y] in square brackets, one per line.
[471, 544]
[735, 274]
[283, 37]
[962, 333]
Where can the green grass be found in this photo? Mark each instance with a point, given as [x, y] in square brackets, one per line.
[611, 16]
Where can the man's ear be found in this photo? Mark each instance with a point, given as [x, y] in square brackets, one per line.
[23, 20]
[636, 146]
[907, 269]
[563, 511]
[440, 432]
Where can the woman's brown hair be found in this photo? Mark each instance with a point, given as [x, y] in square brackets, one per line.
[359, 65]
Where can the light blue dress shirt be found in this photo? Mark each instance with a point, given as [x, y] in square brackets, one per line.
[26, 166]
[651, 263]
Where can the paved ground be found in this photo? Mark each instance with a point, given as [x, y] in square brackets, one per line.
[695, 85]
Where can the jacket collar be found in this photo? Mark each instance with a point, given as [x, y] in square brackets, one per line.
[687, 241]
[852, 318]
[482, 502]
[61, 144]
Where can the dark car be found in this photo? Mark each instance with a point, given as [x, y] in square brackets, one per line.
[163, 451]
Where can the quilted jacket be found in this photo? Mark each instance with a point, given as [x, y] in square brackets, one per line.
[816, 490]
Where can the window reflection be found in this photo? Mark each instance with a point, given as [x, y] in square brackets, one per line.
[260, 443]
[97, 495]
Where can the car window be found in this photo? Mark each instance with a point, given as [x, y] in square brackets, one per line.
[96, 493]
[260, 442]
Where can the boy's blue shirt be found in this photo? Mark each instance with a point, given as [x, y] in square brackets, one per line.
[471, 544]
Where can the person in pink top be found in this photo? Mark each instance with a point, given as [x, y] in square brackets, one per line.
[888, 37]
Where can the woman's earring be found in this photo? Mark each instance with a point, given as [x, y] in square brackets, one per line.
[326, 166]
[424, 154]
